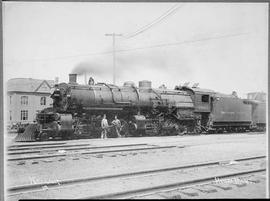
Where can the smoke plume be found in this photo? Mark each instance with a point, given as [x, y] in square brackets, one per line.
[90, 67]
[135, 64]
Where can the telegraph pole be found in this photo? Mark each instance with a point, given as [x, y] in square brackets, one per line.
[113, 36]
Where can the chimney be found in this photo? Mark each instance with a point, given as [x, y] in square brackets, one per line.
[72, 78]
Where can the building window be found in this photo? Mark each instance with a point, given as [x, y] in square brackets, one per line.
[10, 115]
[43, 101]
[10, 98]
[24, 114]
[205, 98]
[24, 100]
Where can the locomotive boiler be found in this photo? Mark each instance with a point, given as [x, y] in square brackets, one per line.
[142, 107]
[78, 109]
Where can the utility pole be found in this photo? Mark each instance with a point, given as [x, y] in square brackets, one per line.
[113, 36]
[85, 78]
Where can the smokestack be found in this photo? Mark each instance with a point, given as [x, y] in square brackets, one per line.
[56, 80]
[72, 78]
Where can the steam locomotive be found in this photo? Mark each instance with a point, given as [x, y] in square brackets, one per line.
[143, 111]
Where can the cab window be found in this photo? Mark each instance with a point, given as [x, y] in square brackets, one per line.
[205, 98]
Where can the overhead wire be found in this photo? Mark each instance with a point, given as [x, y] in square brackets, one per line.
[184, 42]
[159, 19]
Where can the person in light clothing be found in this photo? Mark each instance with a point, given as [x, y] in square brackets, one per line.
[117, 124]
[104, 126]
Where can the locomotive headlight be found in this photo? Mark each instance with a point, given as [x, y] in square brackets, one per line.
[55, 92]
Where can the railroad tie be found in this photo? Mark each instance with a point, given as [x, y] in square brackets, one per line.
[224, 187]
[21, 163]
[189, 192]
[240, 185]
[114, 155]
[254, 180]
[172, 194]
[47, 161]
[150, 196]
[205, 189]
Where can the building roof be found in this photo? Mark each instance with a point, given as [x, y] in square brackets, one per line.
[27, 84]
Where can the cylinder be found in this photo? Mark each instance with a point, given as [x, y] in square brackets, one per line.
[73, 78]
[145, 84]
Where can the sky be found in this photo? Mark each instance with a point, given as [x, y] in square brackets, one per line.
[221, 46]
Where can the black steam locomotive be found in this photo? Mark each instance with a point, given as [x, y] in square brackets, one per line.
[143, 111]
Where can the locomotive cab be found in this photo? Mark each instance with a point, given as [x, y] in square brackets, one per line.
[203, 104]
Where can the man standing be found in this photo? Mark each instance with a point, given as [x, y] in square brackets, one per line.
[91, 81]
[117, 124]
[104, 126]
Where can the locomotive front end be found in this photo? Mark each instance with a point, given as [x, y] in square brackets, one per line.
[60, 97]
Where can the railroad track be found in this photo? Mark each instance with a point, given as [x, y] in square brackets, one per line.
[188, 189]
[132, 184]
[179, 186]
[19, 151]
[105, 150]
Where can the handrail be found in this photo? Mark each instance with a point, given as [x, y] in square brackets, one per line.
[157, 94]
[113, 94]
[136, 90]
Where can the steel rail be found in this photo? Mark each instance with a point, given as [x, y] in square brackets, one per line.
[40, 144]
[76, 147]
[85, 153]
[45, 147]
